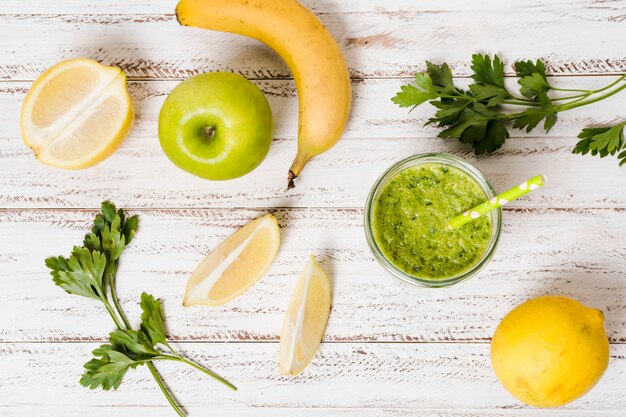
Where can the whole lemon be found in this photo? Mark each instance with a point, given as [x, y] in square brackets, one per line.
[550, 350]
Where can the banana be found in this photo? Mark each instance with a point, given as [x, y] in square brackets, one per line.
[308, 48]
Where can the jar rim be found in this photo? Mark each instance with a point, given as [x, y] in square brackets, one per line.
[419, 159]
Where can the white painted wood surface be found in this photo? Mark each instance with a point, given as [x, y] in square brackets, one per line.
[390, 349]
[426, 376]
[379, 37]
[540, 252]
[379, 133]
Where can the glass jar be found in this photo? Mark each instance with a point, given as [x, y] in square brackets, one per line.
[443, 159]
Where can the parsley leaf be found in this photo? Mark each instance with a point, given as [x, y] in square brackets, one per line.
[111, 232]
[476, 125]
[152, 322]
[106, 372]
[529, 119]
[109, 365]
[441, 78]
[536, 87]
[413, 95]
[528, 68]
[550, 121]
[495, 136]
[603, 141]
[533, 81]
[130, 228]
[448, 113]
[492, 94]
[488, 75]
[487, 71]
[134, 341]
[80, 274]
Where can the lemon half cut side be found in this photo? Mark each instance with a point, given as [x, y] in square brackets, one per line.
[76, 114]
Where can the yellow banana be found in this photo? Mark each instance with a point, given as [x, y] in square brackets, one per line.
[313, 56]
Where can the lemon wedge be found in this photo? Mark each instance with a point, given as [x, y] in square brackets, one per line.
[306, 320]
[76, 114]
[235, 265]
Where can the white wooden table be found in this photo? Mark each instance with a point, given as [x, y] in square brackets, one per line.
[390, 349]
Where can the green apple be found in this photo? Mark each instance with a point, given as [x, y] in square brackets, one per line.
[216, 125]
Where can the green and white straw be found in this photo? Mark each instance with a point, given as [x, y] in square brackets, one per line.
[498, 201]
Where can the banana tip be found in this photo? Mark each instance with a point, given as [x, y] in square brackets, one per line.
[290, 180]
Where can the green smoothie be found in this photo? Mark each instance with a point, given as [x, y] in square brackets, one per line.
[411, 215]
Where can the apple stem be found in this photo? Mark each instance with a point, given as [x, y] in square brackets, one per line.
[209, 132]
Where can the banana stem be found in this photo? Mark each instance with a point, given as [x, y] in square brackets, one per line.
[296, 167]
[290, 178]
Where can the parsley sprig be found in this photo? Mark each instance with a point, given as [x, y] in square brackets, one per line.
[90, 271]
[603, 141]
[481, 115]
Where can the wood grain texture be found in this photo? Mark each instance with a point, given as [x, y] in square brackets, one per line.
[436, 377]
[139, 175]
[379, 41]
[374, 115]
[379, 133]
[588, 8]
[150, 410]
[578, 253]
[390, 350]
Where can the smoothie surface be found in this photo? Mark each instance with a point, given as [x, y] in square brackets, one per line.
[411, 215]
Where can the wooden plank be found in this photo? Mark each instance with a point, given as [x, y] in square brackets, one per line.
[374, 115]
[379, 41]
[390, 350]
[140, 176]
[419, 376]
[589, 7]
[378, 134]
[150, 410]
[578, 253]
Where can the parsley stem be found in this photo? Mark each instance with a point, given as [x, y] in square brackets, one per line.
[116, 301]
[206, 371]
[577, 96]
[127, 326]
[522, 99]
[571, 90]
[517, 101]
[521, 103]
[200, 367]
[617, 81]
[586, 93]
[589, 92]
[577, 103]
[150, 365]
[106, 303]
[164, 389]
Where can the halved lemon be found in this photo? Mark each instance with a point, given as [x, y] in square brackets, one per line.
[76, 114]
[235, 265]
[306, 320]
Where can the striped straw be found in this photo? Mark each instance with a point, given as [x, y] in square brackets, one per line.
[498, 201]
